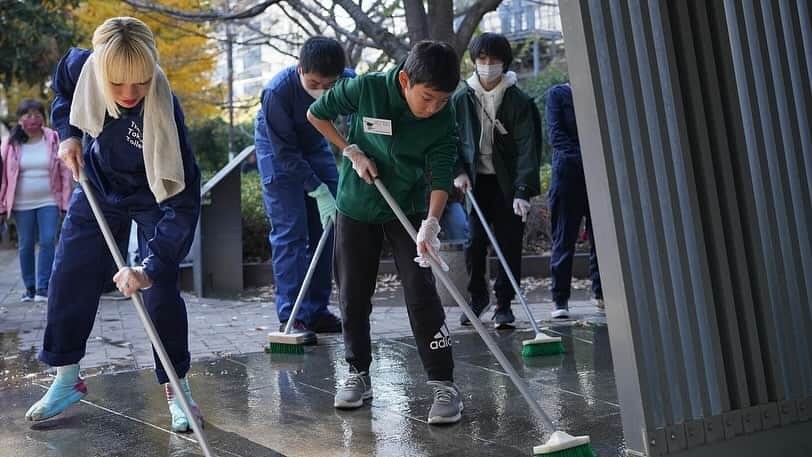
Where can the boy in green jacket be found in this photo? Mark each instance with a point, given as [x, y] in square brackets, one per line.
[401, 125]
[500, 137]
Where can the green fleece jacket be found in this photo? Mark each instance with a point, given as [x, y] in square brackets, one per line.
[402, 146]
[517, 155]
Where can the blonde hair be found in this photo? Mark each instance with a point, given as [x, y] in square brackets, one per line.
[125, 52]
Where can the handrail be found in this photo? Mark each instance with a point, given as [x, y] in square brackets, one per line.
[223, 172]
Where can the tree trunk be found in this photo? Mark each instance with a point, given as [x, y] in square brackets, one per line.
[416, 21]
[441, 21]
[390, 44]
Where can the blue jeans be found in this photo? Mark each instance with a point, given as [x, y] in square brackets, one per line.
[32, 225]
[454, 222]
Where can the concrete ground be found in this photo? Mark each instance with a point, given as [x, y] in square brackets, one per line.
[266, 405]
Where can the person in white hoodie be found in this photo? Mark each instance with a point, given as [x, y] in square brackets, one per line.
[499, 158]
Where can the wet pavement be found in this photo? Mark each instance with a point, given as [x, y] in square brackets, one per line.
[268, 405]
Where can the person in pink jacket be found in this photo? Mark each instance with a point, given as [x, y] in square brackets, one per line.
[34, 187]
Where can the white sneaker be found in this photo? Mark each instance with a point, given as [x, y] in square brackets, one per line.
[599, 303]
[561, 313]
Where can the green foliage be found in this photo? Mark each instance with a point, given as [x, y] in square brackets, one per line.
[255, 225]
[209, 140]
[545, 174]
[555, 73]
[35, 35]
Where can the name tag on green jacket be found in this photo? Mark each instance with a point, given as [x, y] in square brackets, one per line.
[377, 126]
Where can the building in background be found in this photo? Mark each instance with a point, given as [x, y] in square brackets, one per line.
[254, 61]
[534, 29]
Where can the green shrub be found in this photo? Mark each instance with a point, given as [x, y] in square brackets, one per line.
[255, 225]
[209, 140]
[545, 174]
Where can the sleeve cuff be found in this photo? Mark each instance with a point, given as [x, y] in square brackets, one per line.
[156, 270]
[315, 110]
[442, 184]
[522, 192]
[311, 183]
[69, 132]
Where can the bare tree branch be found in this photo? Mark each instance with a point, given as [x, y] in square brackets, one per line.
[388, 42]
[210, 15]
[305, 9]
[316, 28]
[471, 20]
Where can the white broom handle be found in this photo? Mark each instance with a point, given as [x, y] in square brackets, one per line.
[142, 313]
[309, 275]
[503, 260]
[483, 333]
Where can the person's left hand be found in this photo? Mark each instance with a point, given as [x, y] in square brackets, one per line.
[521, 207]
[130, 279]
[428, 244]
[325, 202]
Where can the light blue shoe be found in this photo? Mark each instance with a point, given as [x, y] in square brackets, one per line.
[180, 423]
[68, 388]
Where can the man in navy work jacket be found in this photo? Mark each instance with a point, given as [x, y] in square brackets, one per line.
[567, 200]
[299, 181]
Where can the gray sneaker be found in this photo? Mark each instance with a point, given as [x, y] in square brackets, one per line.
[447, 406]
[355, 390]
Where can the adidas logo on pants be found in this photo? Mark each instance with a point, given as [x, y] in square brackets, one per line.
[441, 340]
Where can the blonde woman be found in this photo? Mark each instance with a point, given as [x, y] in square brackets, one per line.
[118, 119]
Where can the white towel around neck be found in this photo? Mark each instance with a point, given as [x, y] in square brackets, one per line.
[162, 157]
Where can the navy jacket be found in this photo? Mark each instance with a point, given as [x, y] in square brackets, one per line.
[114, 163]
[283, 137]
[562, 131]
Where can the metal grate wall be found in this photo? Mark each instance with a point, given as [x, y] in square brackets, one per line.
[695, 130]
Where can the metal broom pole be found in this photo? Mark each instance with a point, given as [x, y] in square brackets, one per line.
[138, 301]
[483, 333]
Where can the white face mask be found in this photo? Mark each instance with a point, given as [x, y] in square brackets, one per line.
[315, 93]
[489, 73]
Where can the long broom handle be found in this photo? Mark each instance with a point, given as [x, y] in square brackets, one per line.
[483, 333]
[505, 266]
[311, 269]
[145, 319]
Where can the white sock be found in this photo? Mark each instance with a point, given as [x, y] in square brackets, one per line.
[65, 369]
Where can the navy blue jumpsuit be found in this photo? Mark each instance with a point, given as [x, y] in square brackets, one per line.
[567, 196]
[293, 159]
[114, 164]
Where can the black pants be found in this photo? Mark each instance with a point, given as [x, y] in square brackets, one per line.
[357, 254]
[508, 229]
[568, 207]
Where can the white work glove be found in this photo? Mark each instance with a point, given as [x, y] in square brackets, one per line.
[428, 244]
[462, 182]
[130, 279]
[521, 207]
[362, 164]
